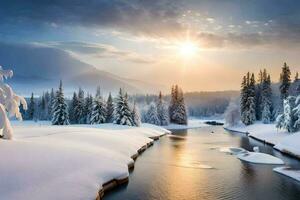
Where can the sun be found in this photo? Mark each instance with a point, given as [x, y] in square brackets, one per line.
[188, 49]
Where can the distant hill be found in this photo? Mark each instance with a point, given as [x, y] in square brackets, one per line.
[37, 68]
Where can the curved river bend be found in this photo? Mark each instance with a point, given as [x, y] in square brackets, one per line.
[177, 168]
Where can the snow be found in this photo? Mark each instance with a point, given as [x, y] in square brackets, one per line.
[232, 150]
[295, 174]
[259, 158]
[282, 140]
[290, 144]
[67, 162]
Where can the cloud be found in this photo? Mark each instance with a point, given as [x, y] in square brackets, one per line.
[155, 17]
[280, 23]
[101, 51]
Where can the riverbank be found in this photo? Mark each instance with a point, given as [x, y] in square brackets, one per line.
[70, 162]
[283, 141]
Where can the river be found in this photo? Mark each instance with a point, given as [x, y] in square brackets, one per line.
[178, 168]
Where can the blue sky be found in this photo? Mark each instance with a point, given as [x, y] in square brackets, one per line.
[142, 39]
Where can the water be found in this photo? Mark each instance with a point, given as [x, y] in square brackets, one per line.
[178, 168]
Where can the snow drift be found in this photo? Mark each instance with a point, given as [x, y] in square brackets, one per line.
[67, 162]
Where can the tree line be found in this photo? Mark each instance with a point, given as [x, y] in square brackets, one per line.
[257, 102]
[89, 109]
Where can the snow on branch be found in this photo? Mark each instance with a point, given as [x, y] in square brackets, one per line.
[9, 104]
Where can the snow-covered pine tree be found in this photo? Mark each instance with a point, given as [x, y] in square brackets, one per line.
[122, 112]
[60, 108]
[285, 81]
[288, 114]
[266, 98]
[99, 110]
[179, 115]
[136, 115]
[42, 108]
[47, 101]
[172, 102]
[30, 114]
[9, 104]
[152, 115]
[72, 106]
[258, 95]
[88, 108]
[296, 111]
[249, 113]
[162, 111]
[50, 104]
[110, 109]
[244, 97]
[79, 108]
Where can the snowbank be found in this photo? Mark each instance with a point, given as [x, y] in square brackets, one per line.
[259, 158]
[290, 144]
[67, 162]
[283, 141]
[294, 174]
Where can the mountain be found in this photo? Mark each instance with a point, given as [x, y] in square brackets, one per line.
[38, 68]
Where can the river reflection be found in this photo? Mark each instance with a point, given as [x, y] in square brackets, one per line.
[188, 165]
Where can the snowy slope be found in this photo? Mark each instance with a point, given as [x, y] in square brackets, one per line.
[70, 162]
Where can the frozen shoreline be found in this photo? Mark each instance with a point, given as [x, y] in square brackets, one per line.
[281, 140]
[70, 162]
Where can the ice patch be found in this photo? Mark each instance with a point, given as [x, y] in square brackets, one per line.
[260, 158]
[233, 150]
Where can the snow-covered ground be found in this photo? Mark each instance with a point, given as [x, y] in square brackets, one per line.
[283, 141]
[260, 158]
[67, 162]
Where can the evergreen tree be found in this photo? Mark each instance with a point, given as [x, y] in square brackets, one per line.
[122, 112]
[179, 115]
[297, 113]
[285, 81]
[266, 98]
[88, 108]
[60, 108]
[42, 108]
[99, 110]
[244, 97]
[136, 115]
[152, 115]
[72, 107]
[177, 109]
[162, 111]
[110, 109]
[288, 119]
[258, 95]
[172, 104]
[50, 104]
[248, 103]
[80, 117]
[47, 102]
[31, 108]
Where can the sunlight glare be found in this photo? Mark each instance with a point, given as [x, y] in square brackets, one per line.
[188, 49]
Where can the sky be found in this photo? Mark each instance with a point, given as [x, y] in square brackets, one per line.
[199, 44]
